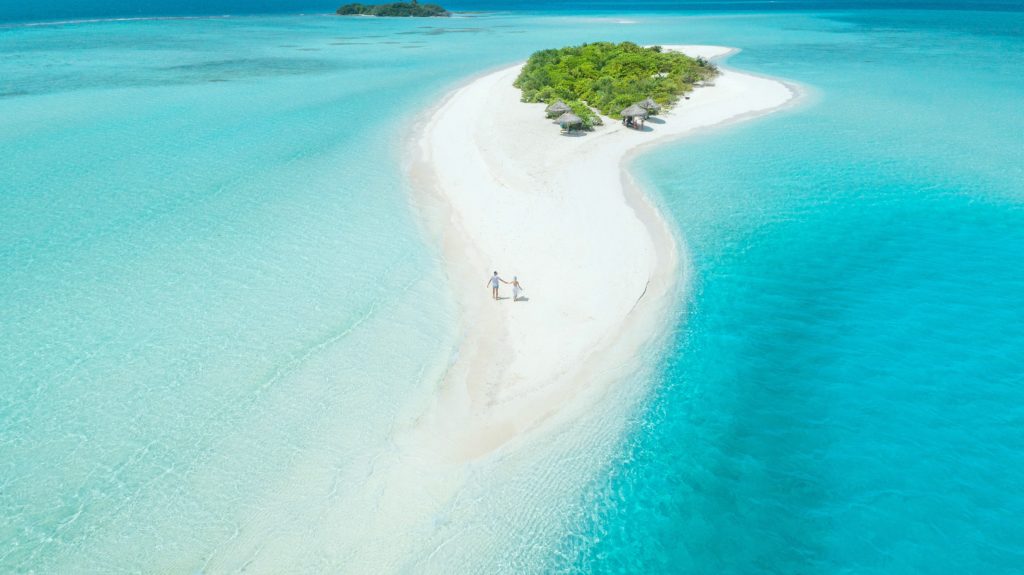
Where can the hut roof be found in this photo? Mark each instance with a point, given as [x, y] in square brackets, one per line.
[558, 107]
[649, 104]
[634, 111]
[569, 119]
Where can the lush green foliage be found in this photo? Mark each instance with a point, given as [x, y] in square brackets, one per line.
[413, 8]
[610, 77]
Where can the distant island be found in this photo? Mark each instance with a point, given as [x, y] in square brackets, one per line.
[610, 77]
[395, 9]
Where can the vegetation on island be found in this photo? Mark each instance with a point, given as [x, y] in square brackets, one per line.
[399, 9]
[610, 77]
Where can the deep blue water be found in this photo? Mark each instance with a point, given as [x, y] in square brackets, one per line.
[16, 11]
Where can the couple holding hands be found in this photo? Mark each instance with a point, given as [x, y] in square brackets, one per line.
[495, 281]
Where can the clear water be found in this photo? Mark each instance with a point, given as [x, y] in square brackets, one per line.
[19, 11]
[213, 278]
[846, 393]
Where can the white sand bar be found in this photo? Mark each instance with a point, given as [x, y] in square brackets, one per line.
[476, 479]
[599, 265]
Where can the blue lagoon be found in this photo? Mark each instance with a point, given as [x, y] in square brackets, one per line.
[222, 310]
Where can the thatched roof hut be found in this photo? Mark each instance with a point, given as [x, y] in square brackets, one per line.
[650, 105]
[557, 109]
[569, 119]
[634, 111]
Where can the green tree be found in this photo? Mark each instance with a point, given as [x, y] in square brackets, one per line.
[610, 77]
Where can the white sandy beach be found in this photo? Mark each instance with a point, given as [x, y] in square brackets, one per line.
[526, 412]
[598, 262]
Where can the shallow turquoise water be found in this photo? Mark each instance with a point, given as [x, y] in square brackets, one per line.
[212, 274]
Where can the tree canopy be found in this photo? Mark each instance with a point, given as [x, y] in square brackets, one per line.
[401, 9]
[610, 77]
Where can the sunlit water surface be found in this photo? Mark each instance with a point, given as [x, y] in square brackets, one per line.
[213, 277]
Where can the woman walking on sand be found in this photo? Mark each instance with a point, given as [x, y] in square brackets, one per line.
[517, 288]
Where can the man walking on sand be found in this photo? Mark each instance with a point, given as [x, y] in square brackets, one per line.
[493, 282]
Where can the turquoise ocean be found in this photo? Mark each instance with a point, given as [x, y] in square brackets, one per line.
[213, 275]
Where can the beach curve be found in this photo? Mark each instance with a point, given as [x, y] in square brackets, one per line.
[504, 191]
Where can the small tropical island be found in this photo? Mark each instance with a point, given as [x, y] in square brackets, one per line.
[395, 9]
[611, 78]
